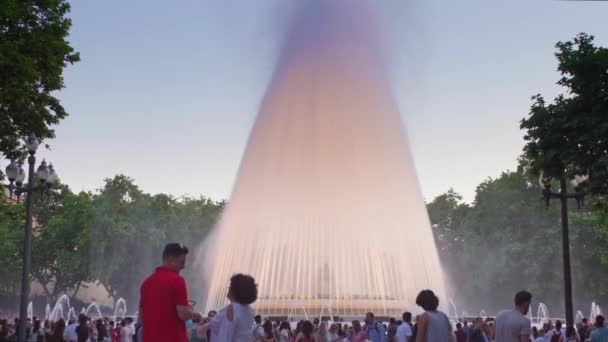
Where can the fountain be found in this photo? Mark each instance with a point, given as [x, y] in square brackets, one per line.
[91, 306]
[30, 311]
[595, 310]
[542, 314]
[58, 310]
[120, 309]
[452, 306]
[72, 314]
[62, 305]
[579, 316]
[326, 180]
[47, 312]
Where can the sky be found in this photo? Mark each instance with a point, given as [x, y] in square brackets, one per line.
[167, 92]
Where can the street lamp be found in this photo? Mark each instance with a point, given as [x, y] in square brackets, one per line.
[16, 175]
[563, 195]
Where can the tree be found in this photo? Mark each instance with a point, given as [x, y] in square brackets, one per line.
[33, 53]
[130, 228]
[569, 137]
[112, 233]
[60, 257]
[447, 213]
[11, 234]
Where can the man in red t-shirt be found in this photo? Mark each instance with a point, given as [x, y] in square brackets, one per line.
[163, 303]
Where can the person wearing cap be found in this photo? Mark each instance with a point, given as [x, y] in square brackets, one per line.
[163, 306]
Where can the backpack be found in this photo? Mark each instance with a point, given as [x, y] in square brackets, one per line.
[555, 336]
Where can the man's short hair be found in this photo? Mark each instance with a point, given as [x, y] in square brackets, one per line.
[174, 250]
[258, 319]
[599, 320]
[523, 297]
[407, 316]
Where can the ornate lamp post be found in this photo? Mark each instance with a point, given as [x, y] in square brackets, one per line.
[16, 175]
[563, 196]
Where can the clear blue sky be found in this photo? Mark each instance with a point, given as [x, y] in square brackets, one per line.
[167, 91]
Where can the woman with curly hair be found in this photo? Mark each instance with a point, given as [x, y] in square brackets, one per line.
[233, 323]
[434, 325]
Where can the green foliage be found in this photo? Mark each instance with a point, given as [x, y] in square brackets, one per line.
[446, 213]
[113, 237]
[569, 136]
[60, 259]
[130, 225]
[11, 235]
[33, 53]
[507, 241]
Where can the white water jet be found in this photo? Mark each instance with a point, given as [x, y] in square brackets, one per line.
[92, 306]
[58, 310]
[30, 310]
[72, 314]
[595, 310]
[327, 211]
[120, 309]
[452, 306]
[542, 314]
[579, 316]
[47, 312]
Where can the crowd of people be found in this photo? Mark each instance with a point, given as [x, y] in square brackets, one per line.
[82, 330]
[166, 315]
[404, 330]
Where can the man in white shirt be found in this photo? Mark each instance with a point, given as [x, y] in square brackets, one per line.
[404, 331]
[69, 335]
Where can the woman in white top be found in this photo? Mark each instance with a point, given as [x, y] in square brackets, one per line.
[434, 325]
[233, 323]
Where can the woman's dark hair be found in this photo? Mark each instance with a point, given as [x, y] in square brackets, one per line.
[59, 329]
[285, 325]
[268, 329]
[101, 330]
[307, 328]
[299, 327]
[243, 289]
[427, 300]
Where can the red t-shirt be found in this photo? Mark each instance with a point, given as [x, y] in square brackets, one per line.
[159, 295]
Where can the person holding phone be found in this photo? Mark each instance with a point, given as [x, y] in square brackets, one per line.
[164, 307]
